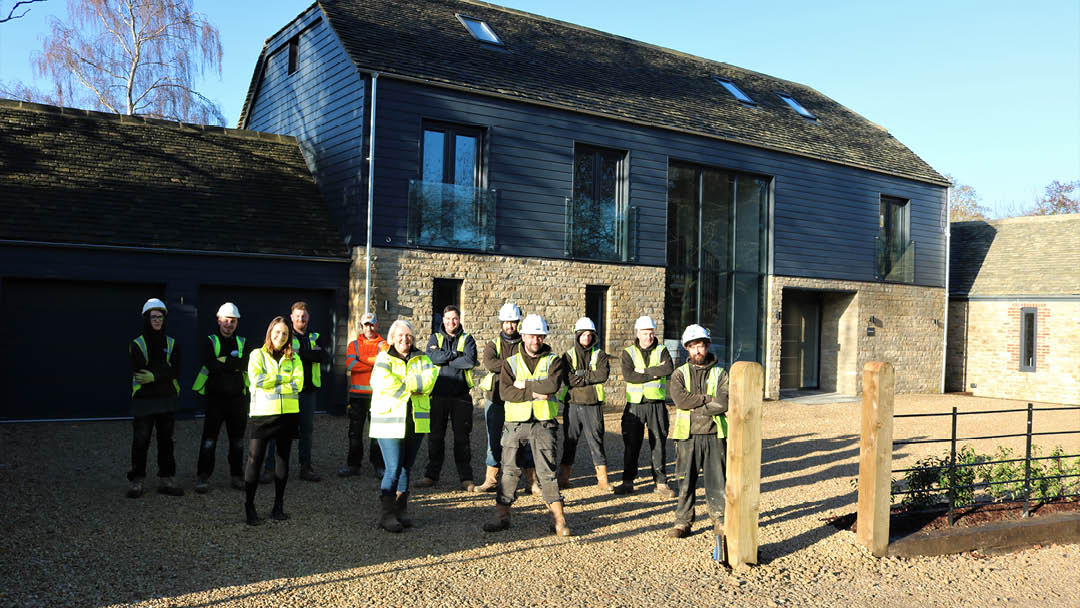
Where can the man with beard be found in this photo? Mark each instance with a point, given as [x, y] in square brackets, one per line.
[700, 390]
[223, 380]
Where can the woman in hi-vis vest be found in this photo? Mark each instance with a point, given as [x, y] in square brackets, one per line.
[401, 381]
[277, 377]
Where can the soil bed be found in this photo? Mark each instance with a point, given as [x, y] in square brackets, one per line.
[903, 523]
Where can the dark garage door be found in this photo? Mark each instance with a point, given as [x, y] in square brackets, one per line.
[68, 354]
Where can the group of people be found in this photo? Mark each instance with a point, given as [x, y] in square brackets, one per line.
[404, 393]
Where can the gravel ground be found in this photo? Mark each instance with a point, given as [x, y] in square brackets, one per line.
[72, 538]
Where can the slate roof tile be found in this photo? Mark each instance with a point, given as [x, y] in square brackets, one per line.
[1020, 256]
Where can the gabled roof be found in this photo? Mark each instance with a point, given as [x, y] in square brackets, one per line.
[79, 177]
[1020, 256]
[567, 66]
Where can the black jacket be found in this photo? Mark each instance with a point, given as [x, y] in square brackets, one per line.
[311, 357]
[651, 373]
[226, 379]
[581, 379]
[452, 363]
[548, 386]
[164, 372]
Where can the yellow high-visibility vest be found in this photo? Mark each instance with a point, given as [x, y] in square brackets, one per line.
[681, 429]
[593, 361]
[316, 370]
[275, 384]
[141, 343]
[393, 383]
[488, 381]
[200, 380]
[542, 409]
[460, 349]
[655, 390]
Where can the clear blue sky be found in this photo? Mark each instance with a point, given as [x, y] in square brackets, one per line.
[987, 90]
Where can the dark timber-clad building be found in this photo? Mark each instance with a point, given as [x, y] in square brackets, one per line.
[513, 157]
[99, 212]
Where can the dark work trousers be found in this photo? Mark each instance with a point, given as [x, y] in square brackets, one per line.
[308, 400]
[143, 427]
[709, 454]
[542, 437]
[636, 418]
[458, 411]
[494, 418]
[233, 412]
[587, 421]
[359, 407]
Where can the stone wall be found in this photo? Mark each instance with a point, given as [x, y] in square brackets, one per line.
[956, 348]
[403, 280]
[908, 332]
[992, 345]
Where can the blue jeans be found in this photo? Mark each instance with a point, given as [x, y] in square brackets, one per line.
[308, 401]
[399, 456]
[494, 416]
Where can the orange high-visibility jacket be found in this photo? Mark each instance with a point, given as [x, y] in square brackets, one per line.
[359, 359]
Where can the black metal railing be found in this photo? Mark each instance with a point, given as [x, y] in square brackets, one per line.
[939, 477]
[451, 216]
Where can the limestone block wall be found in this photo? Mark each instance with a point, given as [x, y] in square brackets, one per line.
[956, 348]
[908, 332]
[992, 345]
[403, 280]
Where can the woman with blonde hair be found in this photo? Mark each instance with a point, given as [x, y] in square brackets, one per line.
[277, 377]
[401, 381]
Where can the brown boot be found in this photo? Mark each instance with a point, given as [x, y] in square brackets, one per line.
[559, 519]
[564, 475]
[531, 485]
[491, 481]
[602, 480]
[401, 501]
[389, 521]
[500, 521]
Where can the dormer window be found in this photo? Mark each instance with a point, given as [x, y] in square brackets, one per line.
[735, 91]
[798, 107]
[480, 30]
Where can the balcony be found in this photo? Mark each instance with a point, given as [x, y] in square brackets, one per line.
[604, 233]
[895, 261]
[450, 216]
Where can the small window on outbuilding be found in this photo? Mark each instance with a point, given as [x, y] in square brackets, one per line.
[294, 54]
[480, 29]
[735, 91]
[1028, 337]
[798, 107]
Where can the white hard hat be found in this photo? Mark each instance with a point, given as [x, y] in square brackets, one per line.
[694, 332]
[509, 312]
[228, 309]
[584, 324]
[534, 325]
[368, 317]
[154, 304]
[644, 322]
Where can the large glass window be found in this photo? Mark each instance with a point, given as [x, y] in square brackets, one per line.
[597, 222]
[895, 251]
[717, 258]
[448, 207]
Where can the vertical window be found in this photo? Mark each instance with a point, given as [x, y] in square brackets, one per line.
[895, 251]
[444, 292]
[596, 222]
[596, 309]
[1028, 323]
[294, 54]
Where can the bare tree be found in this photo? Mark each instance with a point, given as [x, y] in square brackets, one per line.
[133, 57]
[964, 203]
[1056, 199]
[15, 7]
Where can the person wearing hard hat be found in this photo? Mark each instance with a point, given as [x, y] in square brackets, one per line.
[646, 364]
[359, 361]
[587, 369]
[155, 367]
[223, 381]
[495, 353]
[700, 390]
[453, 351]
[529, 383]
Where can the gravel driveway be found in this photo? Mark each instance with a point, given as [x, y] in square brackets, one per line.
[71, 538]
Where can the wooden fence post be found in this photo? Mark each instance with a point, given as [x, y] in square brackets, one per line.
[875, 458]
[743, 463]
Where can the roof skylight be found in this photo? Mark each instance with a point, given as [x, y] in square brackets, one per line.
[798, 107]
[480, 29]
[735, 91]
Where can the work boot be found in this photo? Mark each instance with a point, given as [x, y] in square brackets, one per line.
[202, 486]
[379, 472]
[389, 521]
[625, 487]
[500, 521]
[491, 480]
[251, 515]
[278, 512]
[426, 482]
[664, 490]
[237, 482]
[531, 485]
[135, 488]
[348, 471]
[558, 519]
[169, 488]
[401, 502]
[602, 480]
[468, 485]
[308, 474]
[679, 531]
[266, 476]
[564, 475]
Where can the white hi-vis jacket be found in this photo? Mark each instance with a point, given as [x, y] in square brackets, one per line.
[393, 383]
[275, 384]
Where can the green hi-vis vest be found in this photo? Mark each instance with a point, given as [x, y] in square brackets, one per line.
[200, 380]
[542, 409]
[141, 343]
[655, 390]
[488, 382]
[592, 366]
[682, 417]
[275, 384]
[393, 384]
[460, 349]
[316, 370]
